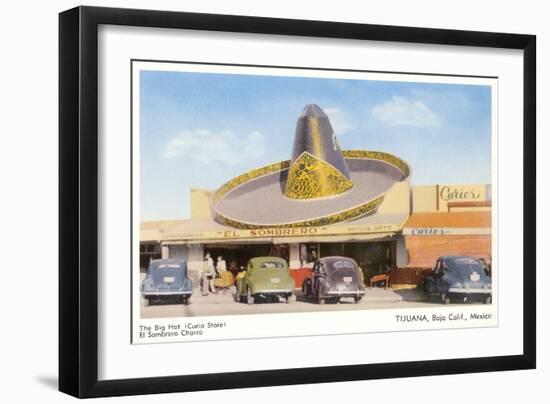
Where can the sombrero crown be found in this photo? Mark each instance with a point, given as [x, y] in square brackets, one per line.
[317, 168]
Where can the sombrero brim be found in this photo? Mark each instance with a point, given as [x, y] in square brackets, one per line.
[256, 199]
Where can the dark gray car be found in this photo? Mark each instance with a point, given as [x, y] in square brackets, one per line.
[460, 278]
[334, 278]
[165, 279]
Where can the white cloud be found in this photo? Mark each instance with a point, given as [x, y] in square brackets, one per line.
[205, 146]
[339, 120]
[400, 111]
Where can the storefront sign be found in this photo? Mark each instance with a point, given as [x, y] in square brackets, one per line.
[429, 231]
[460, 193]
[235, 234]
[445, 231]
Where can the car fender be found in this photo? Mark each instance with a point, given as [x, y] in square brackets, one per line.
[449, 281]
[239, 285]
[188, 284]
[247, 284]
[307, 286]
[428, 284]
[147, 284]
[443, 285]
[320, 288]
[314, 286]
[291, 282]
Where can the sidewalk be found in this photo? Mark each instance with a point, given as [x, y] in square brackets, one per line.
[222, 303]
[391, 295]
[372, 295]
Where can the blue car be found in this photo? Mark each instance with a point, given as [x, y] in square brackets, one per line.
[166, 279]
[459, 278]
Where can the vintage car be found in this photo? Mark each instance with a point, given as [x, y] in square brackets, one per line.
[460, 278]
[166, 278]
[334, 278]
[267, 278]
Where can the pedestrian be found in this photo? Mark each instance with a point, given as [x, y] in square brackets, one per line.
[220, 265]
[233, 267]
[303, 255]
[207, 276]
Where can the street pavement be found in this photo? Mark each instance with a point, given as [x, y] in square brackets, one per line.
[223, 303]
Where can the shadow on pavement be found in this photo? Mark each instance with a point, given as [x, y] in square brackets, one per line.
[411, 295]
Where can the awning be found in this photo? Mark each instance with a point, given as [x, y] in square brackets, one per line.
[449, 220]
[333, 239]
[205, 231]
[260, 240]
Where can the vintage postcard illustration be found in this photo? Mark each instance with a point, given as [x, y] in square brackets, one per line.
[279, 202]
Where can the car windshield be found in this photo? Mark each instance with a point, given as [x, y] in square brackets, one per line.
[465, 266]
[271, 265]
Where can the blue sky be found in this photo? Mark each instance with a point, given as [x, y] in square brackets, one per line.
[197, 130]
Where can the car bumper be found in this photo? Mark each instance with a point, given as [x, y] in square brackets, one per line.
[470, 291]
[166, 293]
[345, 293]
[271, 291]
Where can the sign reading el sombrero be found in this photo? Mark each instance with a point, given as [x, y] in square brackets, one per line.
[349, 229]
[321, 185]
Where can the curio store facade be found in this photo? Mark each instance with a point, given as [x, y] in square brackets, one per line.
[410, 229]
[325, 201]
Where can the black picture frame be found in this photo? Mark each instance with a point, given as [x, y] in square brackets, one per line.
[78, 200]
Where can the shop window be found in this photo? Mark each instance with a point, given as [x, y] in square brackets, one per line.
[280, 250]
[308, 253]
[147, 252]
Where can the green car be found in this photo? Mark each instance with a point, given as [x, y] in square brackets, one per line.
[265, 277]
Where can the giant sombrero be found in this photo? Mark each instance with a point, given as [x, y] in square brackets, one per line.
[320, 185]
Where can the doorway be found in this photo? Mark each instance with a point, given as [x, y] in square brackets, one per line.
[374, 257]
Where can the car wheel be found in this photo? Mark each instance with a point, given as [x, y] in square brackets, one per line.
[488, 300]
[249, 297]
[445, 299]
[357, 299]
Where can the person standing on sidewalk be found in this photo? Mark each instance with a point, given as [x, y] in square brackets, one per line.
[221, 265]
[207, 276]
